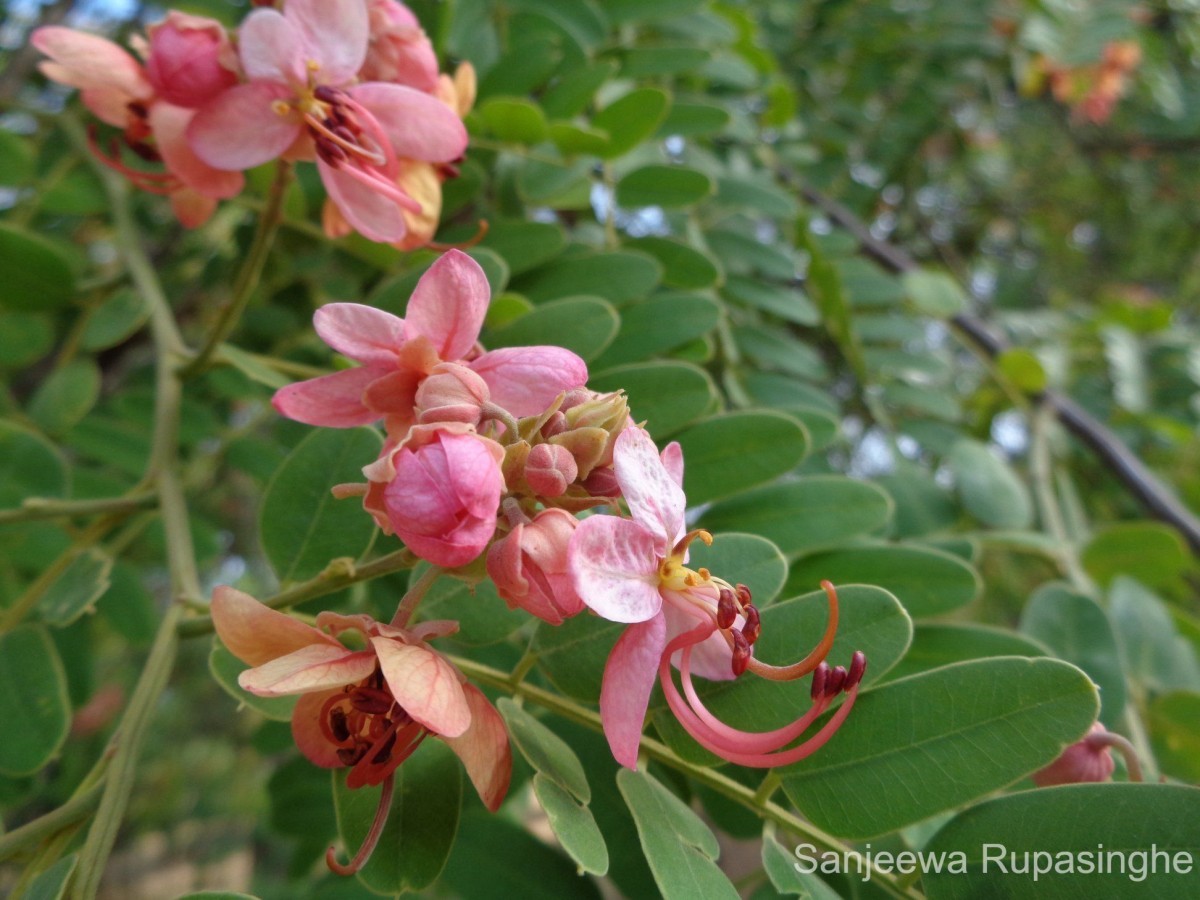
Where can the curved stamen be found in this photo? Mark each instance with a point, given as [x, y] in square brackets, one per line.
[372, 838]
[352, 148]
[810, 662]
[470, 242]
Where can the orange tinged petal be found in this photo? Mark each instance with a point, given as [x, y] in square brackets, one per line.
[425, 685]
[255, 633]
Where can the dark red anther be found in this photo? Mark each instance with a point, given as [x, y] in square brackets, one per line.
[371, 701]
[337, 724]
[143, 150]
[835, 682]
[345, 133]
[385, 751]
[820, 676]
[330, 152]
[743, 594]
[326, 94]
[351, 755]
[753, 627]
[726, 612]
[138, 109]
[741, 653]
[858, 667]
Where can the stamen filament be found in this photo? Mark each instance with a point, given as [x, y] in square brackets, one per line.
[372, 839]
[810, 662]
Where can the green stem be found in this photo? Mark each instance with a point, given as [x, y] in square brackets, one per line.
[73, 811]
[414, 595]
[49, 508]
[722, 784]
[249, 274]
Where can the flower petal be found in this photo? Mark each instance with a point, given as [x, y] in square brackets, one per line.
[271, 48]
[524, 380]
[240, 129]
[83, 60]
[371, 212]
[317, 667]
[420, 126]
[333, 401]
[307, 733]
[672, 459]
[711, 658]
[654, 498]
[484, 749]
[449, 304]
[614, 563]
[426, 686]
[169, 124]
[255, 633]
[363, 333]
[628, 680]
[334, 35]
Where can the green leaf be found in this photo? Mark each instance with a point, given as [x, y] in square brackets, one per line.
[743, 558]
[572, 655]
[940, 645]
[743, 254]
[870, 619]
[419, 835]
[483, 618]
[911, 748]
[922, 505]
[66, 396]
[804, 515]
[787, 878]
[29, 466]
[572, 140]
[52, 883]
[693, 119]
[252, 367]
[659, 324]
[298, 794]
[1023, 369]
[514, 120]
[758, 194]
[545, 750]
[585, 325]
[1151, 552]
[666, 395]
[33, 697]
[302, 527]
[557, 185]
[225, 669]
[618, 277]
[928, 582]
[114, 321]
[1077, 630]
[788, 303]
[866, 285]
[990, 490]
[735, 451]
[574, 826]
[934, 293]
[1070, 830]
[679, 847]
[639, 62]
[667, 186]
[25, 337]
[34, 272]
[1174, 721]
[16, 159]
[570, 95]
[1154, 652]
[683, 266]
[773, 389]
[774, 349]
[524, 245]
[74, 592]
[631, 119]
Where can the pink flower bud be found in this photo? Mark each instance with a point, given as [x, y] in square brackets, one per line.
[603, 482]
[399, 51]
[1085, 760]
[452, 393]
[191, 59]
[550, 470]
[444, 496]
[529, 567]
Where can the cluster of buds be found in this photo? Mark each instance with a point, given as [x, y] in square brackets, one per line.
[352, 85]
[1091, 90]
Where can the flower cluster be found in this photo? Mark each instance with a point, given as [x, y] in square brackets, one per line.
[351, 85]
[1091, 90]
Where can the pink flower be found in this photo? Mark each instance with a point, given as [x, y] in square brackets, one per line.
[191, 59]
[302, 98]
[530, 570]
[399, 51]
[439, 491]
[397, 355]
[633, 570]
[1087, 760]
[367, 709]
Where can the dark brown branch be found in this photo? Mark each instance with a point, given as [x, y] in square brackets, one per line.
[1157, 499]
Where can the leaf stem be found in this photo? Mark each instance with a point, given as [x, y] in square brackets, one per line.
[74, 810]
[414, 595]
[50, 508]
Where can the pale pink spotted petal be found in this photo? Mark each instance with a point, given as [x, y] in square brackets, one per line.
[317, 667]
[371, 212]
[484, 750]
[257, 634]
[271, 48]
[653, 496]
[333, 34]
[672, 459]
[240, 129]
[628, 680]
[614, 563]
[307, 732]
[169, 124]
[524, 380]
[449, 304]
[425, 685]
[334, 401]
[363, 333]
[420, 126]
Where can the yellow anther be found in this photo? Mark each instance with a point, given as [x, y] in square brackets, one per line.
[281, 107]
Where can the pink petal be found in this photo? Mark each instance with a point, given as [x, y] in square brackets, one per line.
[711, 657]
[524, 380]
[614, 563]
[420, 126]
[334, 401]
[672, 460]
[363, 333]
[307, 732]
[425, 685]
[484, 750]
[191, 208]
[372, 213]
[628, 680]
[317, 667]
[88, 61]
[654, 499]
[240, 128]
[334, 34]
[169, 123]
[257, 634]
[271, 48]
[449, 304]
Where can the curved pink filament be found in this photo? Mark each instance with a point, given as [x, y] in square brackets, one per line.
[814, 659]
[372, 838]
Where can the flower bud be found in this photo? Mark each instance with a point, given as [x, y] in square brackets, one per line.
[191, 59]
[602, 482]
[550, 470]
[451, 393]
[1085, 760]
[400, 51]
[529, 567]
